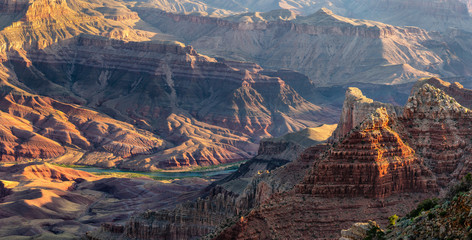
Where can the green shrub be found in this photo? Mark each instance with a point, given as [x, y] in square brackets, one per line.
[423, 206]
[375, 233]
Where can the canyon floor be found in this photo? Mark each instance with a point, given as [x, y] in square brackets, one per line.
[44, 201]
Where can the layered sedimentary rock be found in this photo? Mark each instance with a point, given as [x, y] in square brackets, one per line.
[375, 165]
[37, 127]
[292, 215]
[371, 161]
[386, 54]
[431, 15]
[19, 141]
[41, 23]
[212, 111]
[435, 14]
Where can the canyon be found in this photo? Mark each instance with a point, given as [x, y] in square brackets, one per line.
[191, 109]
[377, 169]
[183, 85]
[209, 111]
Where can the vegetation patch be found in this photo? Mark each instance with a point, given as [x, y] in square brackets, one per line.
[465, 185]
[423, 206]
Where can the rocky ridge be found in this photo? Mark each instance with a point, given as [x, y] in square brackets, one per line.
[451, 219]
[438, 127]
[433, 15]
[401, 53]
[37, 127]
[317, 183]
[44, 39]
[211, 111]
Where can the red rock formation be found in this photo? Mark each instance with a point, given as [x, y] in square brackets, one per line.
[356, 108]
[211, 111]
[371, 173]
[224, 201]
[302, 216]
[330, 38]
[51, 172]
[439, 129]
[19, 141]
[462, 95]
[371, 161]
[39, 127]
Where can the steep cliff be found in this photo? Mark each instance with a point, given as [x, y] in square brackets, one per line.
[96, 54]
[438, 128]
[433, 14]
[376, 165]
[38, 24]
